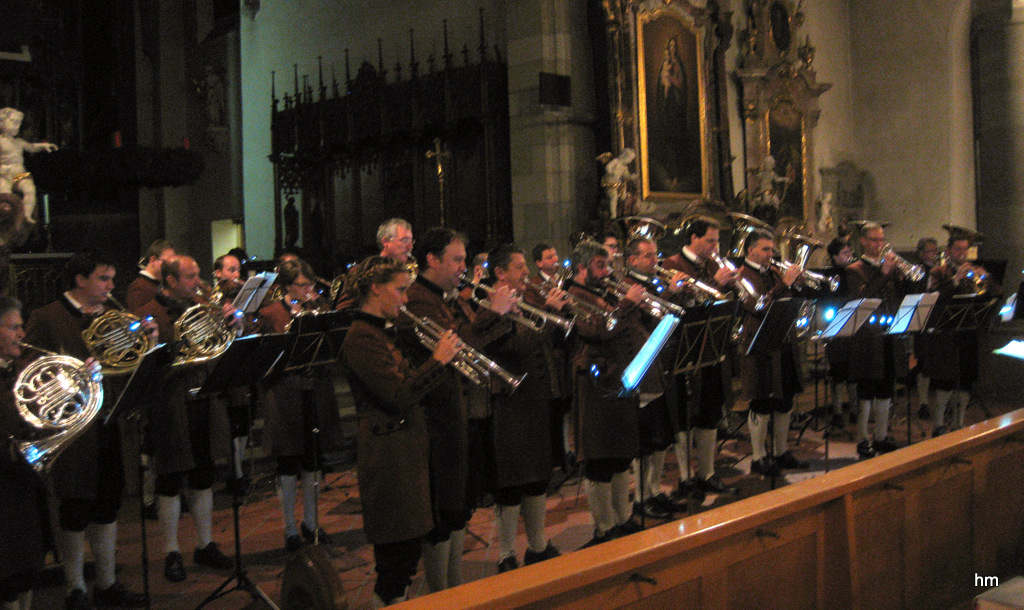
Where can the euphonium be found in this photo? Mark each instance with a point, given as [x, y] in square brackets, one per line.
[117, 340]
[57, 397]
[655, 306]
[203, 332]
[469, 362]
[914, 273]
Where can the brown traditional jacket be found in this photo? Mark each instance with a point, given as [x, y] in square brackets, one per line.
[142, 290]
[766, 375]
[394, 452]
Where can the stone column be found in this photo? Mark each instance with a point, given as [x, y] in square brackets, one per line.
[554, 173]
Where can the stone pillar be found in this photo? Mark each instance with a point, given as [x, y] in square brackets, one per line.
[998, 68]
[554, 174]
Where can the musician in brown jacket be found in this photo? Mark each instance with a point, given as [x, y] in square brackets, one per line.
[434, 294]
[88, 477]
[876, 359]
[607, 424]
[394, 480]
[769, 379]
[146, 285]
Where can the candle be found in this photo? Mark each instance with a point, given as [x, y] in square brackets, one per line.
[46, 209]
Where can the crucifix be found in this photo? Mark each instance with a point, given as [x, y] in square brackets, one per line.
[439, 156]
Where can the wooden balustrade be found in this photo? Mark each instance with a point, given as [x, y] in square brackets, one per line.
[908, 529]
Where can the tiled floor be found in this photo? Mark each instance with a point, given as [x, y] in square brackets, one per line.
[569, 524]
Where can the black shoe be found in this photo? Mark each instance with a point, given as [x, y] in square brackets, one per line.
[293, 543]
[651, 510]
[837, 420]
[886, 445]
[788, 461]
[924, 412]
[211, 557]
[239, 486]
[626, 529]
[666, 504]
[596, 540]
[865, 450]
[78, 600]
[939, 431]
[118, 595]
[307, 534]
[765, 467]
[174, 567]
[688, 489]
[715, 485]
[549, 552]
[149, 511]
[508, 563]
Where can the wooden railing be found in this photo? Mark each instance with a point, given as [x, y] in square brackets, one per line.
[910, 529]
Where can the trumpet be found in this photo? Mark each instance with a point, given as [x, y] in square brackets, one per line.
[117, 340]
[655, 306]
[812, 279]
[914, 273]
[578, 307]
[473, 365]
[57, 396]
[533, 318]
[704, 292]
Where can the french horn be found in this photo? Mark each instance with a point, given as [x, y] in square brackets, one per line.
[203, 333]
[117, 340]
[59, 399]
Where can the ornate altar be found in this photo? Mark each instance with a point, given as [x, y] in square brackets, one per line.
[668, 98]
[780, 109]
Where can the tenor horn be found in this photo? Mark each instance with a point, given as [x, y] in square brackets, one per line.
[59, 399]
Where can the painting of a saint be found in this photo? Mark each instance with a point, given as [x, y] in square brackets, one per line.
[671, 138]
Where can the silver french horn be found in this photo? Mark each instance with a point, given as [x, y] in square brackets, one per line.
[59, 399]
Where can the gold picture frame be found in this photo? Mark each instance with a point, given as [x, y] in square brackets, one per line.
[671, 69]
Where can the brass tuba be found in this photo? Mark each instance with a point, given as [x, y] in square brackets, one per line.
[116, 338]
[58, 398]
[796, 249]
[203, 332]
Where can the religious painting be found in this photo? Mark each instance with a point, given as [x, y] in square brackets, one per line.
[786, 146]
[670, 71]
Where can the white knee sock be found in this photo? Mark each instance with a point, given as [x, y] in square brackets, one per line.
[287, 491]
[922, 389]
[200, 505]
[757, 424]
[655, 468]
[862, 420]
[238, 443]
[942, 398]
[168, 511]
[534, 511]
[964, 399]
[103, 542]
[682, 449]
[458, 544]
[881, 407]
[435, 565]
[72, 558]
[780, 432]
[706, 439]
[837, 398]
[599, 501]
[310, 494]
[507, 522]
[148, 479]
[622, 507]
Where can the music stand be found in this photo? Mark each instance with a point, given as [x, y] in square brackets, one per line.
[252, 293]
[777, 328]
[244, 363]
[912, 318]
[705, 335]
[137, 392]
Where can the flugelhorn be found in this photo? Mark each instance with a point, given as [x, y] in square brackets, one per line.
[914, 273]
[59, 398]
[703, 292]
[533, 318]
[655, 306]
[812, 279]
[117, 339]
[469, 362]
[580, 309]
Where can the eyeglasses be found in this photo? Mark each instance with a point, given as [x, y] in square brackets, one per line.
[405, 240]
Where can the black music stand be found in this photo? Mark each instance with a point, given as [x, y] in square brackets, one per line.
[825, 309]
[963, 313]
[777, 328]
[246, 361]
[705, 337]
[912, 318]
[845, 324]
[136, 393]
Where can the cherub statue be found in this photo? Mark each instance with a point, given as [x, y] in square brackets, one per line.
[616, 177]
[768, 191]
[13, 175]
